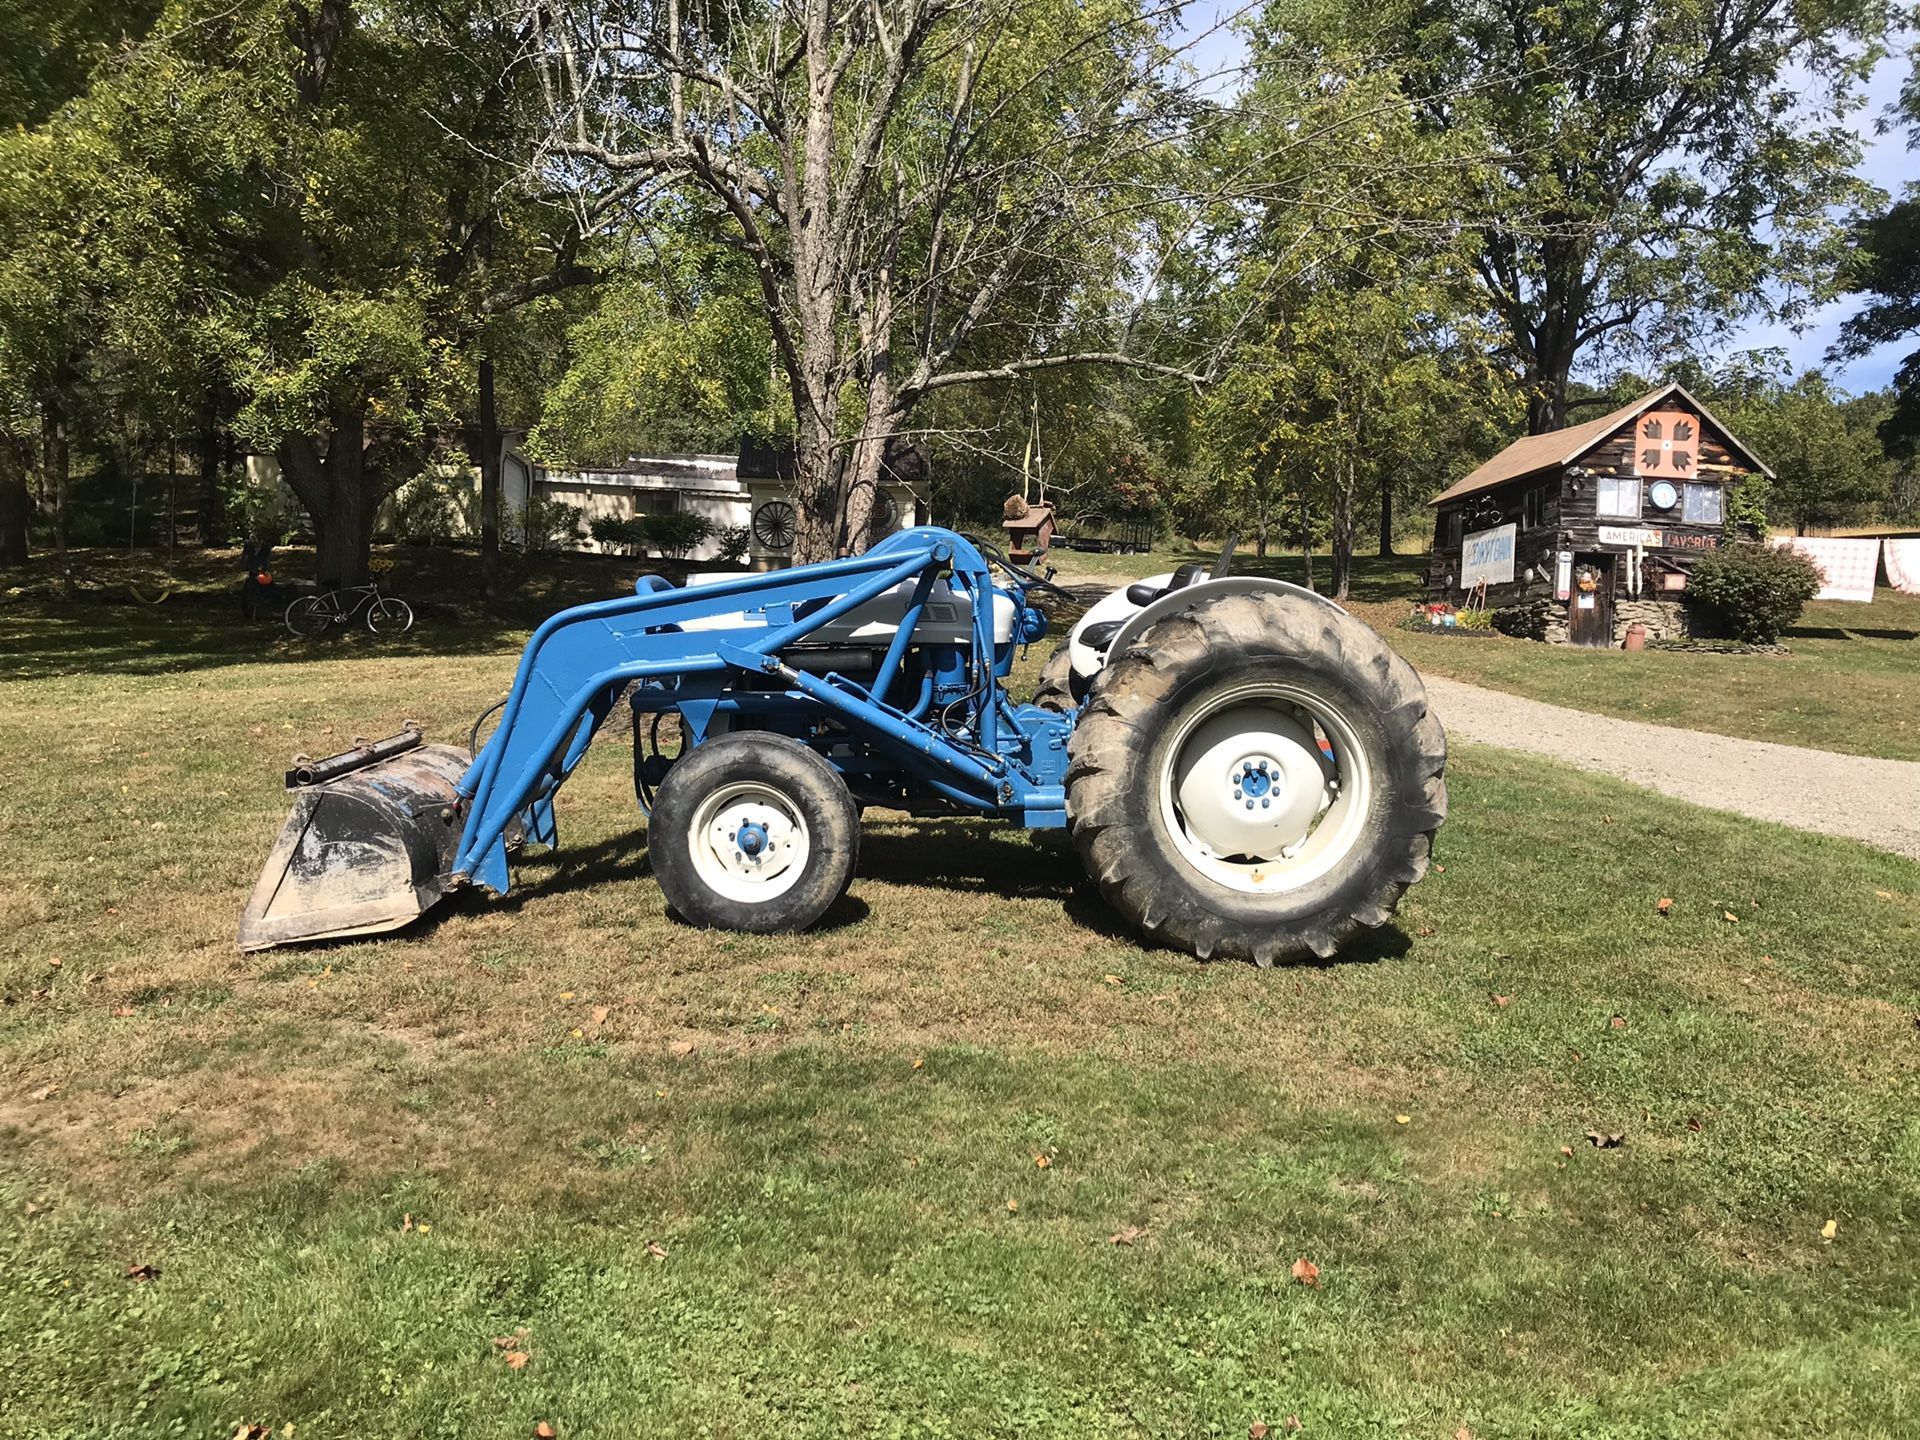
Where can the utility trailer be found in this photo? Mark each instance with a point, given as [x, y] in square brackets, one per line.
[1246, 770]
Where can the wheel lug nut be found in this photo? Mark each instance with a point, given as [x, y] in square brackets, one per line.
[1236, 794]
[1265, 803]
[1249, 804]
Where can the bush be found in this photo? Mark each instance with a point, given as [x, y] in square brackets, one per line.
[626, 535]
[551, 524]
[676, 532]
[1754, 591]
[735, 540]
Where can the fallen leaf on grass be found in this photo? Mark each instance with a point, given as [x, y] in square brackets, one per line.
[1618, 1022]
[46, 1092]
[1258, 1430]
[34, 1207]
[1113, 979]
[1603, 1140]
[1403, 1119]
[53, 962]
[680, 1049]
[566, 994]
[1567, 1150]
[919, 1064]
[1463, 1433]
[544, 1431]
[1126, 1235]
[1665, 907]
[1695, 1124]
[121, 1012]
[1306, 1272]
[93, 977]
[243, 1431]
[1830, 1229]
[143, 1272]
[406, 1223]
[1884, 894]
[600, 1013]
[516, 1359]
[1729, 917]
[1042, 1162]
[1013, 1207]
[656, 1250]
[1501, 1002]
[1424, 930]
[1292, 1423]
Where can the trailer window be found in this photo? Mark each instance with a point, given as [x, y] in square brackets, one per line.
[1533, 507]
[1618, 495]
[1702, 505]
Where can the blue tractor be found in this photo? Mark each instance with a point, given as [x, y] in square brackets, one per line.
[1246, 770]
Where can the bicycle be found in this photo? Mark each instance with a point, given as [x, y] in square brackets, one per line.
[314, 615]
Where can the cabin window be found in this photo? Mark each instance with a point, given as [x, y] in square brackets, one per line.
[1702, 505]
[1454, 523]
[1618, 495]
[1533, 507]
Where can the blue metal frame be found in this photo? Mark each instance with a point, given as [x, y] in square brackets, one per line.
[1003, 759]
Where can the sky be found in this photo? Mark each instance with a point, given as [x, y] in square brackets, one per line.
[1887, 162]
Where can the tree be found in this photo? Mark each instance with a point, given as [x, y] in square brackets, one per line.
[1886, 268]
[1653, 174]
[931, 193]
[1822, 446]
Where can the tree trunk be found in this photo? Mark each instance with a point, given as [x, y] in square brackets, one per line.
[212, 510]
[1386, 516]
[16, 507]
[817, 470]
[489, 483]
[56, 466]
[1342, 527]
[339, 494]
[1306, 537]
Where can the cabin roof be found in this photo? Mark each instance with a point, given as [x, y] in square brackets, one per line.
[1533, 453]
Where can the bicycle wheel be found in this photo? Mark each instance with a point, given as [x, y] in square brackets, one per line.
[309, 616]
[388, 616]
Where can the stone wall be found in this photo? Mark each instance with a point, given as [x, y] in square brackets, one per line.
[1547, 620]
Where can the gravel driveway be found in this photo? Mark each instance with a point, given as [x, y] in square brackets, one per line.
[1877, 801]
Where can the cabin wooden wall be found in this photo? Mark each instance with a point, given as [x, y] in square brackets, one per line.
[1571, 520]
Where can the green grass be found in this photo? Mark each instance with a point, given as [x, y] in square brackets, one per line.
[823, 1134]
[1850, 683]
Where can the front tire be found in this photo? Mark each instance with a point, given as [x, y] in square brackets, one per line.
[1257, 778]
[753, 831]
[388, 616]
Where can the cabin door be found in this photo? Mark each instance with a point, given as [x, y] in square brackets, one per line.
[1590, 609]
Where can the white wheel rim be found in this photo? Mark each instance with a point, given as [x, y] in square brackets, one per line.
[1251, 799]
[749, 842]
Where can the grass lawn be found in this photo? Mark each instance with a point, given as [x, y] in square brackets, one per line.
[727, 1185]
[1852, 681]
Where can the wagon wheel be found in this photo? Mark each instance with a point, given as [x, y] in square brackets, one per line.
[773, 524]
[881, 517]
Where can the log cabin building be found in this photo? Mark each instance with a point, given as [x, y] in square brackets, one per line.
[1575, 535]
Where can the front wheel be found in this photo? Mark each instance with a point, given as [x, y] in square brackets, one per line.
[1257, 778]
[753, 831]
[309, 616]
[388, 616]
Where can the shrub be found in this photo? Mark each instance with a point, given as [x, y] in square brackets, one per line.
[676, 532]
[1754, 591]
[551, 524]
[626, 535]
[735, 540]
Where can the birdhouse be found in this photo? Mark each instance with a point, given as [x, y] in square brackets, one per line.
[1029, 533]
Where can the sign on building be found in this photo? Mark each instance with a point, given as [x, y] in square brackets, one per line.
[1629, 535]
[1488, 555]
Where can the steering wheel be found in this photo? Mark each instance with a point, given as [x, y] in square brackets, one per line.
[1026, 577]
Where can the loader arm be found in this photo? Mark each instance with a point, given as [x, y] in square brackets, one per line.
[578, 662]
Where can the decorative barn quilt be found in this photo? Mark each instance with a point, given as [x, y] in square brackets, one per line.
[1850, 566]
[1903, 565]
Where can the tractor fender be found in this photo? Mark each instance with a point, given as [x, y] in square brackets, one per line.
[1087, 661]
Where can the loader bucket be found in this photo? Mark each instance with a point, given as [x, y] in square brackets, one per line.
[369, 846]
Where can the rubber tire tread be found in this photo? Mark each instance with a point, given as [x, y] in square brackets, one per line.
[1053, 691]
[816, 790]
[1135, 706]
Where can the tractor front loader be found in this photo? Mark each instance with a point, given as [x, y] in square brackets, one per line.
[1246, 770]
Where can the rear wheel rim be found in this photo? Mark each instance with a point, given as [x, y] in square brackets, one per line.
[1265, 788]
[749, 842]
[306, 617]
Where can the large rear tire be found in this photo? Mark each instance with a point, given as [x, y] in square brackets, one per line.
[753, 831]
[1257, 778]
